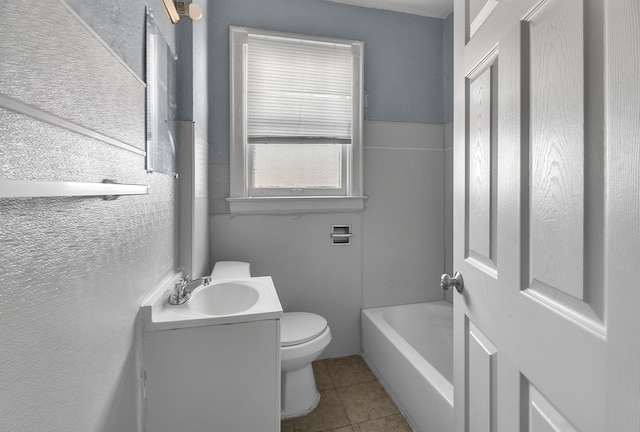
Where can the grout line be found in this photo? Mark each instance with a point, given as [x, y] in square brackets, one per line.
[326, 365]
[357, 384]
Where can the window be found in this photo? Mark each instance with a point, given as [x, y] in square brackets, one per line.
[296, 122]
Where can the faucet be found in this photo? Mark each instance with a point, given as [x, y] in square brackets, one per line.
[182, 290]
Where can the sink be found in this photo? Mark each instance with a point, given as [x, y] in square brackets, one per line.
[224, 298]
[225, 301]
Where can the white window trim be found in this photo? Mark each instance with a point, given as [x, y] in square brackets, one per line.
[239, 199]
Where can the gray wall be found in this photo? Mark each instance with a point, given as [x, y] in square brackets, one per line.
[403, 57]
[194, 59]
[448, 68]
[74, 270]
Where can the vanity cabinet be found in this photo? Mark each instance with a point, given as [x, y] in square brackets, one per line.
[213, 378]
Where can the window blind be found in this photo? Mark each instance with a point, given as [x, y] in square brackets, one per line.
[298, 91]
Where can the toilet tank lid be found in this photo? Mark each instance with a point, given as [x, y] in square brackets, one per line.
[231, 270]
[300, 327]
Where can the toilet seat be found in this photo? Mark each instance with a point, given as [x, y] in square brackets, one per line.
[299, 327]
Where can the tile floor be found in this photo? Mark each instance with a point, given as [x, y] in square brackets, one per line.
[351, 400]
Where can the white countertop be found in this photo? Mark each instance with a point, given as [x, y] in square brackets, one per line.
[158, 314]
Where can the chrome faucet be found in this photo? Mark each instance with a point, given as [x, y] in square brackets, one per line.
[182, 290]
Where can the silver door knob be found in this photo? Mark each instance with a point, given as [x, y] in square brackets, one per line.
[447, 282]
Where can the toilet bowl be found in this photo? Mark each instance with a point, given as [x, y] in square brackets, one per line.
[303, 337]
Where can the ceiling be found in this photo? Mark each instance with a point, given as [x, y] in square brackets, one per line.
[430, 8]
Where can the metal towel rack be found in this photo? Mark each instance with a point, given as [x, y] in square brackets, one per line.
[108, 189]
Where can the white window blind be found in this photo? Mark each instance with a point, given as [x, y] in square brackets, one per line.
[298, 91]
[296, 123]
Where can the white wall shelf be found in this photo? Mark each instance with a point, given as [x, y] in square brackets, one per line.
[32, 189]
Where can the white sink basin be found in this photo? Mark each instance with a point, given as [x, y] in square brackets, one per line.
[224, 298]
[221, 302]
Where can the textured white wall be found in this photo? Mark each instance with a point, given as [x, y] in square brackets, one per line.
[74, 270]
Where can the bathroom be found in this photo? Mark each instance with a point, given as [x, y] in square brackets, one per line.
[76, 270]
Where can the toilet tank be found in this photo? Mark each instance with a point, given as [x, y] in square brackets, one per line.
[231, 270]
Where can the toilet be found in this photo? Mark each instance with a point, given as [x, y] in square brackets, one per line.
[303, 337]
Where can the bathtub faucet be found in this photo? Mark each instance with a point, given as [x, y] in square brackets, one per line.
[183, 289]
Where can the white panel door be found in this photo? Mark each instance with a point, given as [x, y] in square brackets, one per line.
[536, 220]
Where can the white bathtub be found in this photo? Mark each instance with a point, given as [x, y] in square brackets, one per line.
[409, 348]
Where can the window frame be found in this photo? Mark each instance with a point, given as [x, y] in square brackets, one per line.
[350, 198]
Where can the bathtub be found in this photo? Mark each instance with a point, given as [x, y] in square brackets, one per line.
[409, 348]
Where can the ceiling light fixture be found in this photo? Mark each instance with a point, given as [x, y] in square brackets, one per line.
[176, 9]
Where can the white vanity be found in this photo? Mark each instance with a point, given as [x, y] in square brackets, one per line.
[213, 363]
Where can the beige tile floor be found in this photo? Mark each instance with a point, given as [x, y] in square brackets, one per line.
[351, 400]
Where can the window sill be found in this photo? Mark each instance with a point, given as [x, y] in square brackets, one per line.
[288, 205]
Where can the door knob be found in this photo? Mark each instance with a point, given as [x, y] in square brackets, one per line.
[447, 282]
